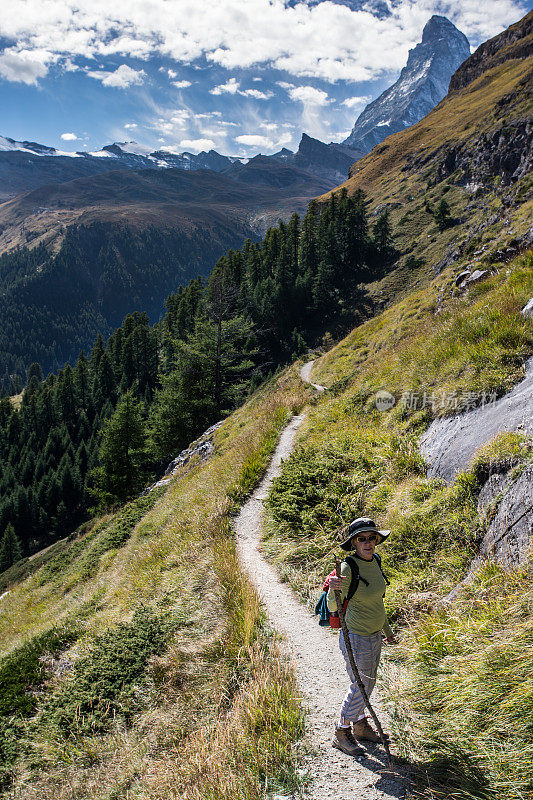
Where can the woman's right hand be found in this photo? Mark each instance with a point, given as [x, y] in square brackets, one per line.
[336, 583]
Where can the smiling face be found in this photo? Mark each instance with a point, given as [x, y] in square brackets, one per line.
[365, 549]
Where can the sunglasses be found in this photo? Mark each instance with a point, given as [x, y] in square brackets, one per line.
[371, 538]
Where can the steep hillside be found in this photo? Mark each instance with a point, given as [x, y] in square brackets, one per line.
[138, 651]
[460, 679]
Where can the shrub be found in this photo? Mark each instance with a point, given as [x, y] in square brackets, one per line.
[21, 673]
[24, 669]
[104, 682]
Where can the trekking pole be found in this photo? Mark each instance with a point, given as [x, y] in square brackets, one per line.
[354, 667]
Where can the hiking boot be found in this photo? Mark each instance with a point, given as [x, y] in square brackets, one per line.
[343, 740]
[362, 731]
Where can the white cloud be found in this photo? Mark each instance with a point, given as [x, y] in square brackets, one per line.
[129, 125]
[121, 78]
[257, 94]
[69, 137]
[196, 145]
[266, 142]
[69, 66]
[24, 66]
[324, 40]
[356, 102]
[310, 96]
[313, 102]
[340, 136]
[181, 84]
[230, 87]
[254, 140]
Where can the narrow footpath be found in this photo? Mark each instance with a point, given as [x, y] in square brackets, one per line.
[320, 668]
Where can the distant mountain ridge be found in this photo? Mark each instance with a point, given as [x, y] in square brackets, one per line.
[25, 166]
[422, 84]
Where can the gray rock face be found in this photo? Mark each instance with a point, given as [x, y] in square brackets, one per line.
[449, 444]
[508, 536]
[423, 83]
[506, 152]
[325, 160]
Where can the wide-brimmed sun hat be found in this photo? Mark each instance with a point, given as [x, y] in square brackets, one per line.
[361, 525]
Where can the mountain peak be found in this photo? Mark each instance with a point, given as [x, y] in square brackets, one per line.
[422, 84]
[437, 27]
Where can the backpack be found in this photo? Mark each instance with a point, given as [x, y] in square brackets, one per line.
[332, 618]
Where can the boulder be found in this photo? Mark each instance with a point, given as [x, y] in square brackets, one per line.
[461, 278]
[527, 311]
[477, 276]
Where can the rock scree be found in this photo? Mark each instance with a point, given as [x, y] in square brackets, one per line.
[320, 669]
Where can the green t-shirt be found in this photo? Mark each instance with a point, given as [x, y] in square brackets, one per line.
[365, 613]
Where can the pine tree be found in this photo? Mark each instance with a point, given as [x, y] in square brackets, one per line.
[442, 215]
[382, 235]
[171, 424]
[34, 371]
[10, 549]
[122, 452]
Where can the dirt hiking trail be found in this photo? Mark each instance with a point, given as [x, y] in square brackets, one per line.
[320, 668]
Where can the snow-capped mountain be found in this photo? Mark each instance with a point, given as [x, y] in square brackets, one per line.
[7, 144]
[422, 84]
[130, 154]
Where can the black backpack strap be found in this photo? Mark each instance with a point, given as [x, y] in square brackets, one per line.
[378, 559]
[354, 582]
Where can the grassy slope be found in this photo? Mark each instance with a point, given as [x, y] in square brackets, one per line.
[465, 701]
[217, 685]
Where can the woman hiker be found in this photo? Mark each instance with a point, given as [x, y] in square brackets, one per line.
[366, 619]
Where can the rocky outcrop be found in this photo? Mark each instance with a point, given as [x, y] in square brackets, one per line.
[527, 311]
[201, 448]
[423, 83]
[515, 42]
[505, 153]
[449, 444]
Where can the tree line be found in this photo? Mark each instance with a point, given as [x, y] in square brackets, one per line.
[91, 435]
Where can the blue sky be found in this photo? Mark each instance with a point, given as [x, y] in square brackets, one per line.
[242, 76]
